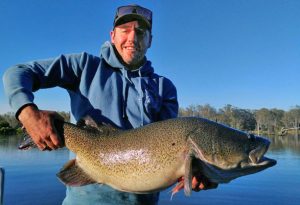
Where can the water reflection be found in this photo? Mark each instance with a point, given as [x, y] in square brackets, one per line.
[30, 175]
[285, 143]
[9, 142]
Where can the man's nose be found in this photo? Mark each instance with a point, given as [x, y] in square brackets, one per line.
[132, 36]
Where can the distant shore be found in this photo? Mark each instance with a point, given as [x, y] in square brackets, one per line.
[261, 121]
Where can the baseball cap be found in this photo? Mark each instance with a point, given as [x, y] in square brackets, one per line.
[128, 13]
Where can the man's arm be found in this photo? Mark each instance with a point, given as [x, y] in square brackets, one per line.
[22, 80]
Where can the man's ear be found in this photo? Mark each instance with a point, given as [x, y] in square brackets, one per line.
[112, 36]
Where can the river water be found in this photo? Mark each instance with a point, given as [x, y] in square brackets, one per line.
[30, 178]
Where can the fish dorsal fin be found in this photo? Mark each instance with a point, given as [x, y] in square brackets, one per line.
[72, 175]
[107, 129]
[88, 122]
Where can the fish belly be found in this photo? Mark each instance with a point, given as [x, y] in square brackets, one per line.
[134, 176]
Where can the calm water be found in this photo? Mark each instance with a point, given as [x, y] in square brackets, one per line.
[30, 178]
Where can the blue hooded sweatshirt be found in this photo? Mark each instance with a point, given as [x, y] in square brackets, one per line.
[106, 90]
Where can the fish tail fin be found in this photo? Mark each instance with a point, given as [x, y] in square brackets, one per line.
[27, 142]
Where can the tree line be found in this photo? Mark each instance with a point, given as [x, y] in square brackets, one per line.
[267, 121]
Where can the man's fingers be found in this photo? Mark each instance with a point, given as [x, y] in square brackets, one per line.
[56, 139]
[50, 142]
[44, 143]
[202, 183]
[202, 186]
[42, 146]
[195, 184]
[206, 184]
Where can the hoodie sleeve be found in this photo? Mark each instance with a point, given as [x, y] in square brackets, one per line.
[169, 108]
[20, 81]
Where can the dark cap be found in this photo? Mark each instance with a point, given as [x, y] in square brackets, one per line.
[128, 13]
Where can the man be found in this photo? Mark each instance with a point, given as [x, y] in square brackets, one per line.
[118, 88]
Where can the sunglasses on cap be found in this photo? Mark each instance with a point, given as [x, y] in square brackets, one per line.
[135, 10]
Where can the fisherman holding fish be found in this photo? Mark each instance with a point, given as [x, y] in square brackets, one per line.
[119, 88]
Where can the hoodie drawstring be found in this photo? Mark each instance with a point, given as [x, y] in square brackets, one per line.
[140, 95]
[124, 74]
[141, 98]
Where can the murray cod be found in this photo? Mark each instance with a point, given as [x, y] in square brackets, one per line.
[153, 157]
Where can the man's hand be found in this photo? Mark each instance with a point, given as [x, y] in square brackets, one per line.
[200, 182]
[39, 124]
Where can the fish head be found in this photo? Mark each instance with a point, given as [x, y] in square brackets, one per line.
[256, 149]
[228, 153]
[254, 160]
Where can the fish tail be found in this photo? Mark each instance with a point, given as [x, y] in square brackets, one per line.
[27, 142]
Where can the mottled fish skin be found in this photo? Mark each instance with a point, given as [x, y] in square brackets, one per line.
[153, 157]
[138, 160]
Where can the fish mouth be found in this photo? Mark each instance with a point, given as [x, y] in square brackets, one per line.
[262, 163]
[257, 158]
[257, 154]
[266, 162]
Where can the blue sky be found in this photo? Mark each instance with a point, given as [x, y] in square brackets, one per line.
[240, 52]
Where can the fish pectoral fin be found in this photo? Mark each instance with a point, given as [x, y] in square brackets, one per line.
[73, 175]
[188, 174]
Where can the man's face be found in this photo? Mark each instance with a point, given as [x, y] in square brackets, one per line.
[131, 41]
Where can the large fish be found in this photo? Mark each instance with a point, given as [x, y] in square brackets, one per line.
[153, 157]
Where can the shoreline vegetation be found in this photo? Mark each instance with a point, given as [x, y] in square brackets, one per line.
[261, 121]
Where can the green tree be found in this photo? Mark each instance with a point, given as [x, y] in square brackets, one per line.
[207, 111]
[225, 115]
[5, 128]
[292, 117]
[277, 119]
[191, 111]
[11, 119]
[245, 119]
